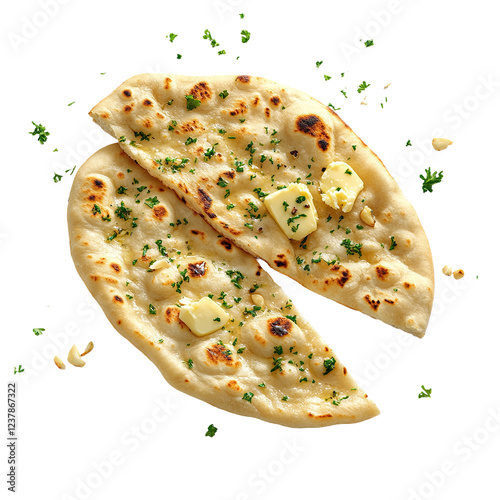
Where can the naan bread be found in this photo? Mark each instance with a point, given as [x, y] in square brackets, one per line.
[267, 362]
[247, 138]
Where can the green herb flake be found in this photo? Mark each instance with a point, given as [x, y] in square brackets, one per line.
[363, 86]
[191, 102]
[393, 244]
[248, 396]
[223, 94]
[211, 431]
[351, 248]
[151, 202]
[329, 365]
[430, 179]
[426, 393]
[245, 36]
[172, 37]
[38, 331]
[208, 36]
[41, 132]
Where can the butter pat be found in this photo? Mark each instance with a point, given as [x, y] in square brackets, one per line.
[340, 186]
[203, 317]
[293, 210]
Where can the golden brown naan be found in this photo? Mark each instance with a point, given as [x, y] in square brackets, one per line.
[247, 138]
[266, 362]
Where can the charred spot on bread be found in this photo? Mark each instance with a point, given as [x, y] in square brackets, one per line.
[279, 327]
[197, 269]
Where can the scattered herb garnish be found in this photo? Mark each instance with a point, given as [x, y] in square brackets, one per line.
[191, 102]
[38, 331]
[426, 393]
[351, 248]
[211, 431]
[393, 243]
[363, 86]
[245, 36]
[248, 396]
[41, 132]
[430, 179]
[329, 365]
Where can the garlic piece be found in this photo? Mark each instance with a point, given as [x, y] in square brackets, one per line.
[258, 300]
[366, 216]
[158, 264]
[74, 357]
[89, 347]
[59, 363]
[439, 143]
[447, 270]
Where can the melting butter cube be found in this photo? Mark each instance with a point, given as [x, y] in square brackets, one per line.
[203, 317]
[293, 210]
[340, 186]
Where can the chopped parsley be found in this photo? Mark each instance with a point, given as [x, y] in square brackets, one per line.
[211, 431]
[172, 37]
[151, 202]
[408, 143]
[277, 364]
[223, 94]
[260, 193]
[329, 365]
[143, 136]
[292, 318]
[161, 248]
[41, 132]
[191, 102]
[57, 178]
[152, 309]
[430, 179]
[351, 248]
[210, 152]
[319, 63]
[248, 396]
[327, 77]
[190, 140]
[123, 212]
[208, 36]
[189, 363]
[369, 43]
[393, 243]
[363, 86]
[38, 331]
[245, 36]
[426, 393]
[236, 277]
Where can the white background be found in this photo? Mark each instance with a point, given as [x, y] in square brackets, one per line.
[102, 431]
